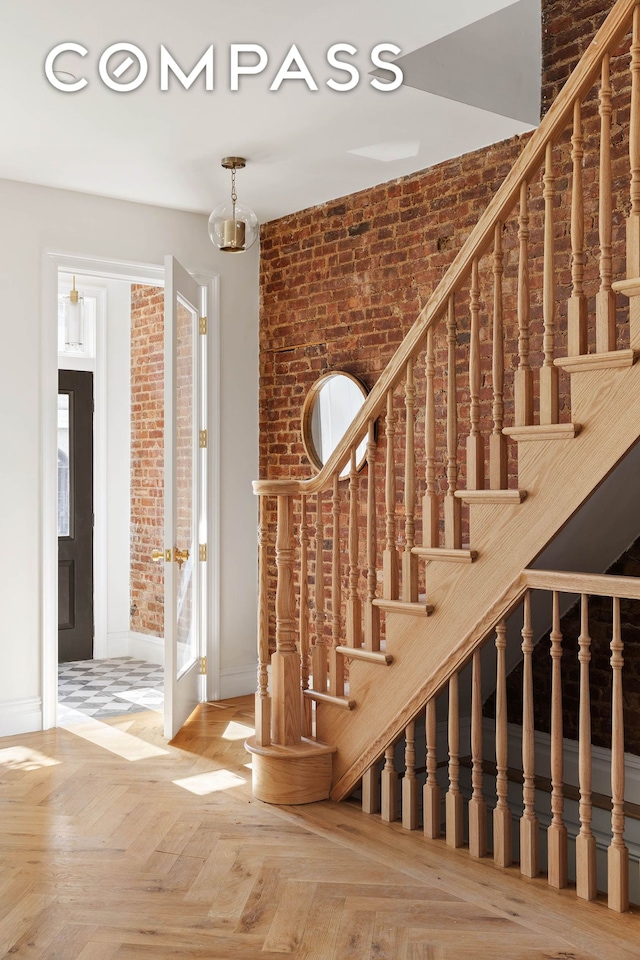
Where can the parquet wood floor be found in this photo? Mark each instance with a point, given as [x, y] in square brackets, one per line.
[117, 846]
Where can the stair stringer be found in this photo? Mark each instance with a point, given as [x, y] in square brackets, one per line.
[558, 475]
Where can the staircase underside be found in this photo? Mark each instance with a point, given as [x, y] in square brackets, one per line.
[558, 476]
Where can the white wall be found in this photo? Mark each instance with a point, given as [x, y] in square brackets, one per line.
[39, 220]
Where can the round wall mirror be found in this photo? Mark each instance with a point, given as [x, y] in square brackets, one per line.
[329, 408]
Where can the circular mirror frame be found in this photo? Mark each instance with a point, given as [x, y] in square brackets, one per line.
[307, 414]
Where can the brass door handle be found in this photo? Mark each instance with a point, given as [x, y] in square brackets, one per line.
[158, 555]
[180, 556]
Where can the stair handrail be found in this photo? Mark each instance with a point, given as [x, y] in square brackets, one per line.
[551, 126]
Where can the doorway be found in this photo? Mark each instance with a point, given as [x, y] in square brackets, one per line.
[75, 515]
[104, 645]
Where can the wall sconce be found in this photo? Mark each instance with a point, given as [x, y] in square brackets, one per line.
[233, 227]
[74, 319]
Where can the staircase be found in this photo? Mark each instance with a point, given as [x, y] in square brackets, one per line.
[385, 586]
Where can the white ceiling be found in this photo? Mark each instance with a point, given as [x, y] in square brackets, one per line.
[303, 147]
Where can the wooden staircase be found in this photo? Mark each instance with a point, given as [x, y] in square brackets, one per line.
[352, 670]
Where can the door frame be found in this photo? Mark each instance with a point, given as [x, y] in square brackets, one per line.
[131, 272]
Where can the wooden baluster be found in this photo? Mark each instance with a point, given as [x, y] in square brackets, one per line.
[453, 799]
[633, 221]
[577, 306]
[409, 781]
[371, 613]
[390, 585]
[501, 812]
[524, 374]
[371, 790]
[263, 701]
[389, 787]
[354, 604]
[618, 854]
[286, 718]
[430, 501]
[431, 789]
[586, 879]
[475, 443]
[303, 616]
[549, 372]
[320, 662]
[477, 805]
[452, 514]
[336, 660]
[497, 440]
[605, 298]
[529, 827]
[409, 560]
[557, 832]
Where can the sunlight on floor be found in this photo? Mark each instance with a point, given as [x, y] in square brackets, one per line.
[150, 699]
[204, 783]
[116, 741]
[23, 758]
[237, 731]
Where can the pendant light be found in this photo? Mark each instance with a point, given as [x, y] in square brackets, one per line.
[74, 319]
[233, 227]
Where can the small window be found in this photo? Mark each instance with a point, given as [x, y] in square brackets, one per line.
[64, 477]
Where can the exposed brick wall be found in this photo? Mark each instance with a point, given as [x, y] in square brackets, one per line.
[147, 458]
[342, 283]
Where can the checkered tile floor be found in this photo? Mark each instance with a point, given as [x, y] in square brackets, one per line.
[109, 688]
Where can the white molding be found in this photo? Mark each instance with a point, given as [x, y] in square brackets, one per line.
[143, 646]
[147, 273]
[213, 680]
[20, 716]
[118, 644]
[48, 490]
[237, 681]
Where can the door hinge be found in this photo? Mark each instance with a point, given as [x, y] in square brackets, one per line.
[203, 551]
[203, 438]
[203, 665]
[203, 324]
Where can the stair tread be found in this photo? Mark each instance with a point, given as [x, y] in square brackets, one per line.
[544, 431]
[370, 656]
[418, 608]
[491, 496]
[629, 287]
[346, 703]
[446, 554]
[597, 361]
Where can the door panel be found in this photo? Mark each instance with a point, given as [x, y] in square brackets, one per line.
[182, 641]
[75, 515]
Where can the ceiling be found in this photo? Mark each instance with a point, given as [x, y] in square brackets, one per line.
[471, 77]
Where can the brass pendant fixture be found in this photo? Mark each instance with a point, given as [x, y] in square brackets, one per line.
[233, 227]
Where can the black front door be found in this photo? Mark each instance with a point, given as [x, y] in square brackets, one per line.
[75, 515]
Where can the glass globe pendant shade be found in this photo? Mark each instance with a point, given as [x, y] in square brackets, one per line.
[74, 319]
[233, 227]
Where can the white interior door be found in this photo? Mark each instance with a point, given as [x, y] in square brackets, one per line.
[182, 496]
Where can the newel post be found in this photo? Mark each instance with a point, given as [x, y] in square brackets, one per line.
[286, 713]
[263, 701]
[288, 765]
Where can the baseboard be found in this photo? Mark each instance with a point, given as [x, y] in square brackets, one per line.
[238, 681]
[20, 716]
[600, 760]
[117, 644]
[141, 646]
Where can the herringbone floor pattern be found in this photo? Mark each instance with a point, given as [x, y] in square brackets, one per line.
[117, 846]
